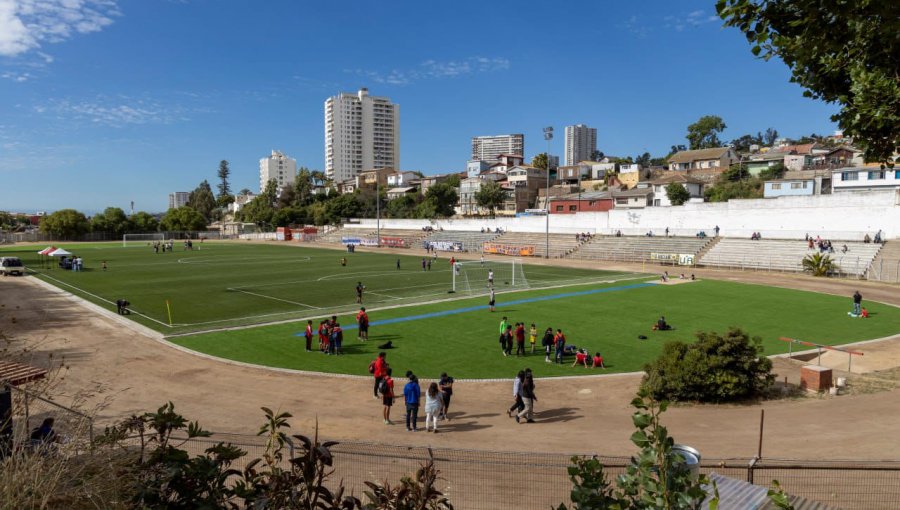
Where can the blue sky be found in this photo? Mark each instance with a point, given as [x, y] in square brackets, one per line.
[107, 101]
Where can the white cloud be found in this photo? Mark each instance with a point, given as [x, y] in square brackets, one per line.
[692, 19]
[17, 77]
[116, 111]
[435, 69]
[26, 25]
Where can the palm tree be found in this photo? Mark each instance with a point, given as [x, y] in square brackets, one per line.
[819, 265]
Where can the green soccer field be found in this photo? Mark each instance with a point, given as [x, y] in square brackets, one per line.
[461, 337]
[228, 284]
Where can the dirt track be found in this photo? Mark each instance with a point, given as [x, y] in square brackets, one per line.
[140, 373]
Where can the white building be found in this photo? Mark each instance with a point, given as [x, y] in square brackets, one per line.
[279, 167]
[581, 143]
[869, 178]
[361, 132]
[489, 148]
[178, 199]
[401, 179]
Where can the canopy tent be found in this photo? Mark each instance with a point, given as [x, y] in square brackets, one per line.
[60, 252]
[47, 251]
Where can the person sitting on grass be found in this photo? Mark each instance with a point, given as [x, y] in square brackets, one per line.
[864, 314]
[581, 358]
[598, 361]
[662, 325]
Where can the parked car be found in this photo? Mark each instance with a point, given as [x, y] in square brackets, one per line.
[11, 265]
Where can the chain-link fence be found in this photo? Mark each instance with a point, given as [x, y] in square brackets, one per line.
[884, 270]
[496, 480]
[72, 429]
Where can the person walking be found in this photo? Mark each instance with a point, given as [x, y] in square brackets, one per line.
[378, 368]
[857, 303]
[359, 292]
[528, 399]
[517, 394]
[398, 264]
[411, 395]
[433, 405]
[492, 300]
[547, 343]
[386, 389]
[308, 334]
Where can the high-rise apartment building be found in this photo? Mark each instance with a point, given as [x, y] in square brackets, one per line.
[362, 132]
[489, 148]
[178, 199]
[581, 143]
[279, 167]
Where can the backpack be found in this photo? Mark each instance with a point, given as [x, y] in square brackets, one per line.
[383, 387]
[372, 367]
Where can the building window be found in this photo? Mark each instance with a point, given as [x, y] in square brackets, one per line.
[797, 185]
[573, 208]
[622, 201]
[656, 202]
[776, 185]
[559, 208]
[849, 176]
[876, 175]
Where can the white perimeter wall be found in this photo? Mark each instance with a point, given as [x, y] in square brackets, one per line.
[842, 216]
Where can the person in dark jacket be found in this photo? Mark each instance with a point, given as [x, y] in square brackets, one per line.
[528, 399]
[412, 394]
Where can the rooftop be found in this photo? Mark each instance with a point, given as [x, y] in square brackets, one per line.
[701, 154]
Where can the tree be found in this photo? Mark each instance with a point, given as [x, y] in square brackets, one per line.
[715, 368]
[184, 218]
[770, 136]
[490, 195]
[775, 171]
[402, 207]
[303, 186]
[725, 190]
[144, 222]
[677, 193]
[111, 220]
[202, 201]
[643, 160]
[223, 173]
[65, 224]
[540, 161]
[703, 134]
[443, 197]
[676, 148]
[840, 52]
[818, 264]
[743, 143]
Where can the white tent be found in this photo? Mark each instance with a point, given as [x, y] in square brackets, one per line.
[60, 252]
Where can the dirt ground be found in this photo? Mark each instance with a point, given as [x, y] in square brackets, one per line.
[111, 358]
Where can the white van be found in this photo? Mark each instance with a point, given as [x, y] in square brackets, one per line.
[11, 265]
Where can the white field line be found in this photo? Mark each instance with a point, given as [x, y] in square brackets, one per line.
[273, 298]
[378, 309]
[385, 295]
[101, 298]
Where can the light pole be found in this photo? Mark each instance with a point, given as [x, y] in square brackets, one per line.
[548, 135]
[378, 204]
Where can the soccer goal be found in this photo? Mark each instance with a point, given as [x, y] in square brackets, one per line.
[141, 239]
[473, 277]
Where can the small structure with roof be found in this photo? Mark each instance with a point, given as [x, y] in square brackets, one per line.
[717, 157]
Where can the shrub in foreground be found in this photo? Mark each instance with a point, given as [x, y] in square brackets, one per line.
[715, 368]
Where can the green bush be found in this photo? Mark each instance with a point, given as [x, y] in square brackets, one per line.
[715, 368]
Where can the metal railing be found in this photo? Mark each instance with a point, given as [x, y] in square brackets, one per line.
[884, 270]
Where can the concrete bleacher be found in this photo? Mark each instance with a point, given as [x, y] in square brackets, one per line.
[560, 244]
[786, 255]
[471, 241]
[637, 249]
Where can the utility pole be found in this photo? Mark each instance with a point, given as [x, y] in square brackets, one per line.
[548, 135]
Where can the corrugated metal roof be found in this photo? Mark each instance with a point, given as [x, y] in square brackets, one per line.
[737, 494]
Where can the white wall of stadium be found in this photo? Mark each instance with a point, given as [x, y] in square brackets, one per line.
[842, 216]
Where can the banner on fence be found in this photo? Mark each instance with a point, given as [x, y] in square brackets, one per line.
[445, 245]
[393, 242]
[683, 259]
[283, 234]
[508, 249]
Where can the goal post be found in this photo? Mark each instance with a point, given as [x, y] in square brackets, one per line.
[135, 239]
[476, 277]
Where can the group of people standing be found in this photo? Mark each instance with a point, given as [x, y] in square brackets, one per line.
[436, 398]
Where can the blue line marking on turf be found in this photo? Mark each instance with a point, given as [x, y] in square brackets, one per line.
[535, 299]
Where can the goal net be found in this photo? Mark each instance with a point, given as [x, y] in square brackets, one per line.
[474, 277]
[142, 239]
